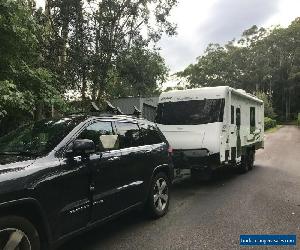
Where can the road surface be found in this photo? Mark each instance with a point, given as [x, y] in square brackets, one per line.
[212, 215]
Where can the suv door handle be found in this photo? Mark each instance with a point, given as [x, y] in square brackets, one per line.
[115, 158]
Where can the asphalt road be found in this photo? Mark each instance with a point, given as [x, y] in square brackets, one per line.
[212, 215]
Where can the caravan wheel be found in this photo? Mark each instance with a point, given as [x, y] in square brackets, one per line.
[244, 167]
[251, 158]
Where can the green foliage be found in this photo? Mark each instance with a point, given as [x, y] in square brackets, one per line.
[269, 111]
[140, 72]
[270, 123]
[91, 41]
[101, 49]
[174, 88]
[24, 84]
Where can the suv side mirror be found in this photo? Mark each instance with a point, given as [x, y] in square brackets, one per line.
[83, 147]
[109, 142]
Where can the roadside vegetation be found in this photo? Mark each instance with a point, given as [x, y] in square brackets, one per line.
[270, 123]
[59, 58]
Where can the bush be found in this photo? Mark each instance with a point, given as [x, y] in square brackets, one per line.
[269, 111]
[270, 123]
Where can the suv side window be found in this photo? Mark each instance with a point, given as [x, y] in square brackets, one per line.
[129, 134]
[94, 131]
[151, 135]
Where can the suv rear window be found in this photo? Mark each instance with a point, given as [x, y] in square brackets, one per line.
[151, 135]
[129, 134]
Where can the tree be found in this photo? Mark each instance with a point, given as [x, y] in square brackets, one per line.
[93, 36]
[25, 86]
[269, 111]
[140, 72]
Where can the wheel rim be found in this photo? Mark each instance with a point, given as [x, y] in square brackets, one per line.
[14, 239]
[160, 194]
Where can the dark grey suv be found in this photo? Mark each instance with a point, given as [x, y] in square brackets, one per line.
[61, 177]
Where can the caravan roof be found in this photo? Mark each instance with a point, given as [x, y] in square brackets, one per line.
[203, 93]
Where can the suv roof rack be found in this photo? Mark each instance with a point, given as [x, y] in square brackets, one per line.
[110, 110]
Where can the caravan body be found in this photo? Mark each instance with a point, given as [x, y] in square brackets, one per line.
[210, 126]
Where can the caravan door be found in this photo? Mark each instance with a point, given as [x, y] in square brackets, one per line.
[235, 133]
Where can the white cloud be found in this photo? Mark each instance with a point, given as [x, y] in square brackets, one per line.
[189, 15]
[218, 21]
[288, 11]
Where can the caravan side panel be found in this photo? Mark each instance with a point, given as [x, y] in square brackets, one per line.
[246, 125]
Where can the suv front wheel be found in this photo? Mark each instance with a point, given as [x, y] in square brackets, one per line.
[18, 233]
[159, 195]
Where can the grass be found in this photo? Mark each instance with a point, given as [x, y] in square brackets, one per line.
[272, 130]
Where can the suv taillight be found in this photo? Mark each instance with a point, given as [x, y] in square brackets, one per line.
[170, 151]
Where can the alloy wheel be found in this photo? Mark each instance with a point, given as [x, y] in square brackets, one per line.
[14, 239]
[161, 194]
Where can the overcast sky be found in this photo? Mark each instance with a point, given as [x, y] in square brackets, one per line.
[203, 21]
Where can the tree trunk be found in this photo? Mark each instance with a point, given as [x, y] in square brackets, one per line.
[83, 88]
[39, 111]
[47, 8]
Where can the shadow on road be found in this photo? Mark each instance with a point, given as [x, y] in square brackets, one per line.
[220, 177]
[136, 219]
[104, 232]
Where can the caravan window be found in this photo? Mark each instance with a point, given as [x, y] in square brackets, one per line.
[252, 119]
[232, 114]
[190, 112]
[238, 117]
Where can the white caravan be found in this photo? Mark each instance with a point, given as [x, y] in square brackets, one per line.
[211, 127]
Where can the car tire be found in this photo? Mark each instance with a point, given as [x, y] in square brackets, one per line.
[244, 165]
[18, 233]
[159, 196]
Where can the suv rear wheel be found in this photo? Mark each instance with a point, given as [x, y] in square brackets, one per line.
[17, 233]
[158, 200]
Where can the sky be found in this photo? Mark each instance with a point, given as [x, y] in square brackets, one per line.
[201, 22]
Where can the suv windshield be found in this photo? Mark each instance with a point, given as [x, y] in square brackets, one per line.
[190, 112]
[36, 138]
